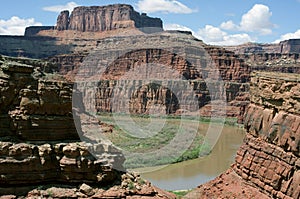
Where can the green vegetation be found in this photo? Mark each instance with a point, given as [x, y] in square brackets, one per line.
[180, 193]
[131, 186]
[171, 126]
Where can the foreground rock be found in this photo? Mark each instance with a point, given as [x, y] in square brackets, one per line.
[269, 158]
[41, 153]
[227, 185]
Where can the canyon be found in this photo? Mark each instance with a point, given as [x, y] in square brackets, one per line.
[104, 53]
[269, 157]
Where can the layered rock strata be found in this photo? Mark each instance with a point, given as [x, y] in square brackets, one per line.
[102, 18]
[268, 160]
[283, 47]
[125, 58]
[273, 62]
[34, 108]
[39, 144]
[270, 156]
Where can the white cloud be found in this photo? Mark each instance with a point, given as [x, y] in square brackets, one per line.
[58, 8]
[257, 19]
[215, 36]
[165, 6]
[295, 35]
[235, 39]
[16, 25]
[176, 27]
[211, 34]
[228, 25]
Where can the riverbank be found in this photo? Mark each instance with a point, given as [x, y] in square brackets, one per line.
[162, 131]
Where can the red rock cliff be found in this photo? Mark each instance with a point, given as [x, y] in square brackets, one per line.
[104, 18]
[268, 162]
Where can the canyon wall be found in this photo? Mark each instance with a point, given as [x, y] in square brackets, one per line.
[160, 58]
[269, 157]
[102, 18]
[42, 154]
[282, 57]
[273, 62]
[33, 108]
[283, 47]
[267, 163]
[39, 143]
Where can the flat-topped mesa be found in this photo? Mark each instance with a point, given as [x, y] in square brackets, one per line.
[105, 18]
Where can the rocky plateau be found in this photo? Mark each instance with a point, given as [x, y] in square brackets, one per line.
[104, 49]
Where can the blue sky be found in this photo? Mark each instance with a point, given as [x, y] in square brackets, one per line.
[215, 21]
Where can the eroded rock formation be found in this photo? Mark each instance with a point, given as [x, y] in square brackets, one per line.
[269, 157]
[102, 18]
[283, 47]
[162, 57]
[40, 148]
[33, 108]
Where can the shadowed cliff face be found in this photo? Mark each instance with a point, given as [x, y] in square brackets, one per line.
[40, 147]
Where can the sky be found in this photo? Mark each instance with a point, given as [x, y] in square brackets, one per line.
[216, 22]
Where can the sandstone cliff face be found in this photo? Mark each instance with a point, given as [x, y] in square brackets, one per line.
[273, 62]
[267, 163]
[34, 109]
[269, 157]
[104, 18]
[40, 148]
[283, 47]
[168, 55]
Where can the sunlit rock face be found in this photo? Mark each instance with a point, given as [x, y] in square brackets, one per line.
[269, 157]
[104, 18]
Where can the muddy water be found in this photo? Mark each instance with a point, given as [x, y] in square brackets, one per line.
[190, 174]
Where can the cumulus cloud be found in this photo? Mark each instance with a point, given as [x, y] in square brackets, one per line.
[215, 36]
[16, 25]
[257, 19]
[295, 35]
[176, 27]
[228, 25]
[58, 8]
[211, 34]
[165, 6]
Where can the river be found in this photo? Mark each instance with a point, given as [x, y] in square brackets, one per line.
[190, 174]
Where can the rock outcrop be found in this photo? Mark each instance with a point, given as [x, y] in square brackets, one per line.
[34, 30]
[33, 108]
[41, 154]
[105, 18]
[273, 62]
[101, 18]
[124, 58]
[283, 47]
[269, 157]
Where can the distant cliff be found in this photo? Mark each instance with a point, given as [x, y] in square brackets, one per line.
[284, 47]
[102, 18]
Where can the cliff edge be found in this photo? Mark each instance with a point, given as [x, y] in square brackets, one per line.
[267, 164]
[101, 18]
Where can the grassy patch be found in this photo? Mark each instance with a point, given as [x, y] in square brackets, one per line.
[180, 193]
[188, 132]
